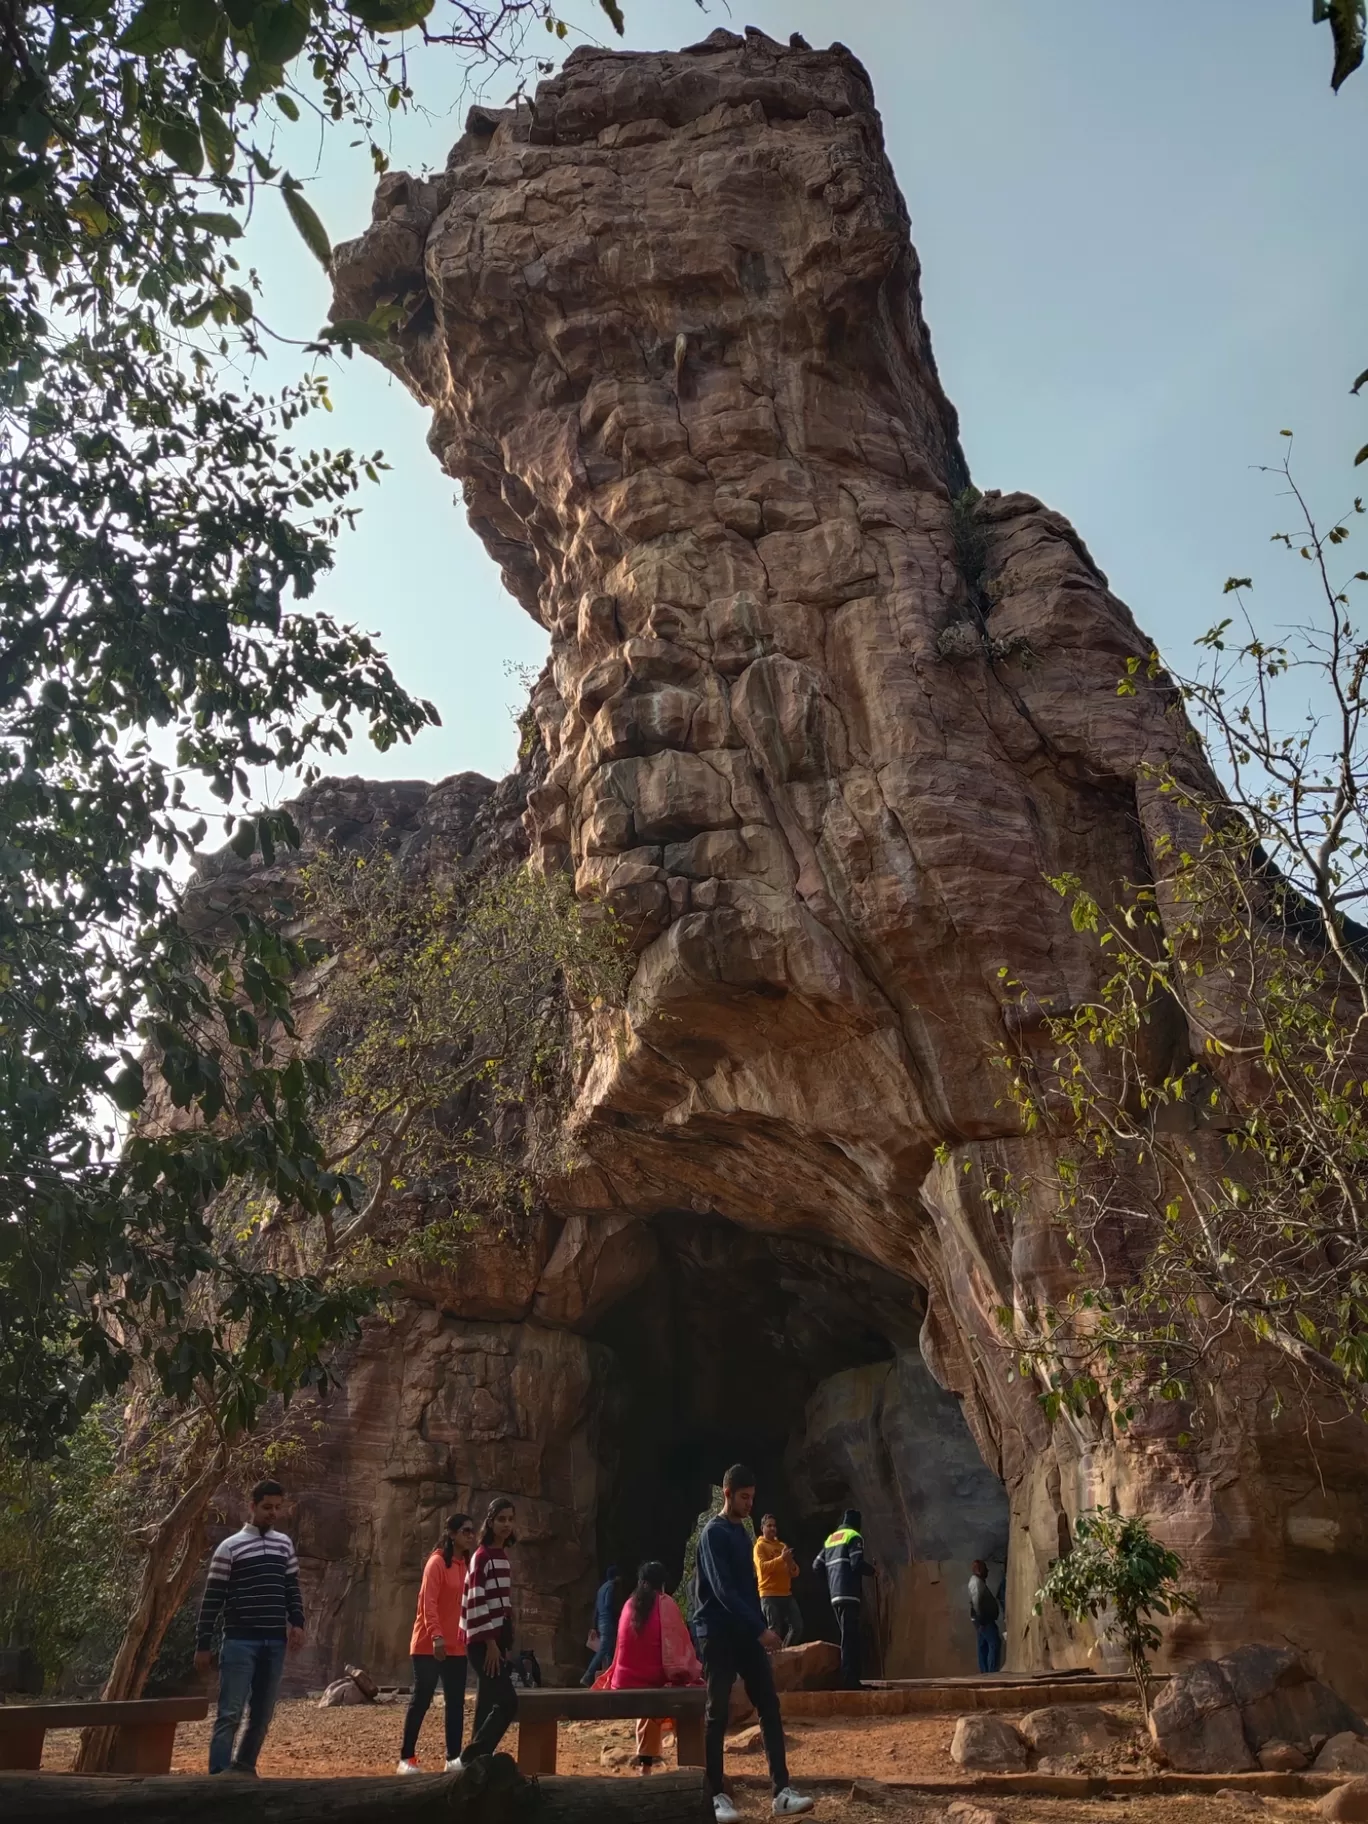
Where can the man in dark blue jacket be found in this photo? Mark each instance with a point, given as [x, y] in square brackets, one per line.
[606, 1606]
[736, 1641]
[842, 1560]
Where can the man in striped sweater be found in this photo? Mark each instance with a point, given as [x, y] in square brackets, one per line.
[253, 1585]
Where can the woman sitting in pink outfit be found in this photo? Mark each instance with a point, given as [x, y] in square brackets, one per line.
[653, 1649]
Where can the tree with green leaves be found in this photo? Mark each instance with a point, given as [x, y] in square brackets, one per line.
[1118, 1576]
[1209, 1102]
[163, 539]
[449, 1020]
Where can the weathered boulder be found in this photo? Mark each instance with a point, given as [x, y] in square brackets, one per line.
[1280, 1697]
[1343, 1753]
[1347, 1804]
[1195, 1722]
[1072, 1729]
[813, 1666]
[1284, 1757]
[986, 1742]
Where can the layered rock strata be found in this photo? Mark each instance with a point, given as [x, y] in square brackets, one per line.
[820, 729]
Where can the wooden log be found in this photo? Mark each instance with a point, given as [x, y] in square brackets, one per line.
[492, 1792]
[663, 1798]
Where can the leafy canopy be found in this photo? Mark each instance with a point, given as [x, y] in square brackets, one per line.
[162, 538]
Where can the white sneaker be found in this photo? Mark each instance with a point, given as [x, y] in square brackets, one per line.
[456, 1766]
[788, 1803]
[408, 1767]
[724, 1811]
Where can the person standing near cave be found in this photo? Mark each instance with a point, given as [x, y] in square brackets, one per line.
[438, 1647]
[487, 1620]
[253, 1585]
[736, 1641]
[984, 1611]
[775, 1569]
[843, 1563]
[606, 1605]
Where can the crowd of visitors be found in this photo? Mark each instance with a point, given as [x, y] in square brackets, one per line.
[743, 1610]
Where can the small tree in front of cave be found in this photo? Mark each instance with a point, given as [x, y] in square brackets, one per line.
[1118, 1576]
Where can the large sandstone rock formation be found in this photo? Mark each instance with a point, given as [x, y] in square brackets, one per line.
[819, 728]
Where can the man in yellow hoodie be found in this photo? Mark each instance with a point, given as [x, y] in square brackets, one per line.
[775, 1569]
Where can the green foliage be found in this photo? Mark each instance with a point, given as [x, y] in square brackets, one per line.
[1210, 1102]
[450, 1020]
[66, 1557]
[161, 540]
[1118, 1574]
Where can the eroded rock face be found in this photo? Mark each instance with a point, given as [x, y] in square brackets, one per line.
[820, 733]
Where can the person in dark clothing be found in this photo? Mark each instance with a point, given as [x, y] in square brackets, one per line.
[607, 1604]
[843, 1563]
[253, 1588]
[736, 1641]
[984, 1610]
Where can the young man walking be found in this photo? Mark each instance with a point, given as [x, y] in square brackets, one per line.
[843, 1561]
[775, 1569]
[253, 1585]
[736, 1643]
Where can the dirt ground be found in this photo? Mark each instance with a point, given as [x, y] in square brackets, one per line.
[306, 1742]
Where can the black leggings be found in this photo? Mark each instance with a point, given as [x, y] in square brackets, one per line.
[496, 1703]
[427, 1669]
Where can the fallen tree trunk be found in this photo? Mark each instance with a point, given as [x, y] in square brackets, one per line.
[493, 1792]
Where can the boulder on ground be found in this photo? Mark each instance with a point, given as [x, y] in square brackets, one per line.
[1281, 1699]
[815, 1666]
[1347, 1804]
[342, 1691]
[986, 1742]
[1282, 1757]
[869, 1792]
[1196, 1725]
[1343, 1753]
[750, 1741]
[1064, 1729]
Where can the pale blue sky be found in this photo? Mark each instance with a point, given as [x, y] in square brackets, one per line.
[1141, 234]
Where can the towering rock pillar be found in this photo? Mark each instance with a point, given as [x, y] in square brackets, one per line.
[819, 725]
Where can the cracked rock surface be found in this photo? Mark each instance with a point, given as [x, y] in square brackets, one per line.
[819, 730]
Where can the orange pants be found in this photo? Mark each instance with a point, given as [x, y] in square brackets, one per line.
[650, 1733]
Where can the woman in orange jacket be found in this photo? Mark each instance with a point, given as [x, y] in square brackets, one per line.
[438, 1646]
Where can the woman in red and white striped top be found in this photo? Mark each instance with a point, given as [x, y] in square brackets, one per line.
[487, 1623]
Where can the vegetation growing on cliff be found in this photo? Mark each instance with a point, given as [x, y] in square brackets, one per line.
[1211, 1101]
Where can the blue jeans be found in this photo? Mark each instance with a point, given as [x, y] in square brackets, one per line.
[602, 1658]
[249, 1679]
[989, 1645]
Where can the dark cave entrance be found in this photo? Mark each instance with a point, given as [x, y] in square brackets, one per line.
[802, 1360]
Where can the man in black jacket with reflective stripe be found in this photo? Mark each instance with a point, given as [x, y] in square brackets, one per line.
[842, 1561]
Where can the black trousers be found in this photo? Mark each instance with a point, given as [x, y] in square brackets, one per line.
[427, 1669]
[727, 1657]
[848, 1621]
[496, 1703]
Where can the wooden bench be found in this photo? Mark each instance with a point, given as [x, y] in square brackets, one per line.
[540, 1714]
[146, 1730]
